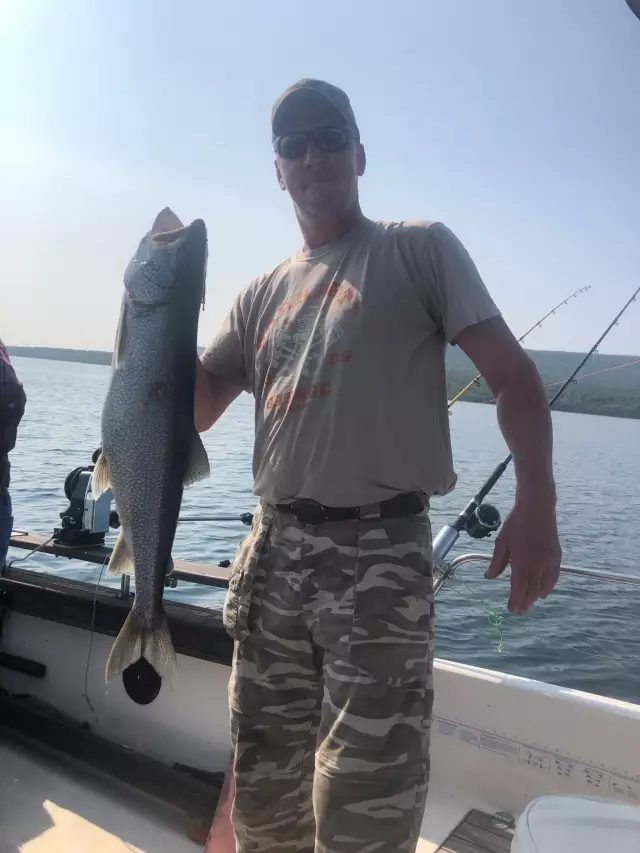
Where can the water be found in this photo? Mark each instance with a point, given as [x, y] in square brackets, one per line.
[585, 636]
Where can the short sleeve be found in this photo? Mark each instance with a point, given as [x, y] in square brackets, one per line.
[225, 355]
[458, 296]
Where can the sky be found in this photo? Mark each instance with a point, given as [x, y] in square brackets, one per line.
[515, 123]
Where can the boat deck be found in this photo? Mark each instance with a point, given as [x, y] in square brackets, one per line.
[64, 788]
[478, 833]
[51, 805]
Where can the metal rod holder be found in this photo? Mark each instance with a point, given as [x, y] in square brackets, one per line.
[125, 584]
[246, 518]
[594, 574]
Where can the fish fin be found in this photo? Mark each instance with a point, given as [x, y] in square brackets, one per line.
[198, 467]
[121, 560]
[135, 641]
[100, 479]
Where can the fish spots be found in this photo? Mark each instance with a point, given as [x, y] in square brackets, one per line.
[160, 390]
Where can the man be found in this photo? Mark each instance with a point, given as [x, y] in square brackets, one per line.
[12, 403]
[330, 599]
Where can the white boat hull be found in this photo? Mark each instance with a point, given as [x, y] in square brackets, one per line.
[498, 740]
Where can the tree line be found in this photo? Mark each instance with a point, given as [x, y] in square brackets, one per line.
[615, 392]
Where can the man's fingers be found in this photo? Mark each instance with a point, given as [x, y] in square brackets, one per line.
[519, 588]
[549, 580]
[533, 591]
[500, 558]
[528, 587]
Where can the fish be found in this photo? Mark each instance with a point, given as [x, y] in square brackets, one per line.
[150, 448]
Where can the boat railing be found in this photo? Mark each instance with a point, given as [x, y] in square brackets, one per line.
[218, 575]
[441, 576]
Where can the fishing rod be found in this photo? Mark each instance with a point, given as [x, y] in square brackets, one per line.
[476, 379]
[597, 372]
[480, 520]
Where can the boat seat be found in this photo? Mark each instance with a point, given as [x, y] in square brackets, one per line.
[571, 824]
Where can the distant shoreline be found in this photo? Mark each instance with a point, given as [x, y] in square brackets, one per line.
[611, 392]
[81, 356]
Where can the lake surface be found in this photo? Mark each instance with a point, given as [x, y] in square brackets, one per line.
[586, 635]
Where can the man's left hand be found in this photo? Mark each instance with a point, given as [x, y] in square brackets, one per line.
[529, 542]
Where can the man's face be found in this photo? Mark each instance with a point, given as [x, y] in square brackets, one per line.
[321, 184]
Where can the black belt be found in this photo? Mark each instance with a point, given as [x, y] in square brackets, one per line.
[314, 513]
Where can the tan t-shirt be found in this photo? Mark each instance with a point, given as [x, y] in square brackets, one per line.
[343, 349]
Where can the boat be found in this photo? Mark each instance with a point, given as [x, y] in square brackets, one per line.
[136, 764]
[516, 764]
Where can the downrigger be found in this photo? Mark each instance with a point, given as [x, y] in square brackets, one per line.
[87, 519]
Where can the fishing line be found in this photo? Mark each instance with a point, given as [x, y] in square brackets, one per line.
[93, 623]
[596, 373]
[499, 621]
[477, 379]
[15, 560]
[495, 619]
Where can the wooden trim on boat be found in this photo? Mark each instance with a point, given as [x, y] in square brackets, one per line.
[196, 631]
[202, 573]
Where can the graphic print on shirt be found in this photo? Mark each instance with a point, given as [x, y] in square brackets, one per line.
[305, 342]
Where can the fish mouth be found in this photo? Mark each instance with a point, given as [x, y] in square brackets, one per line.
[166, 220]
[196, 230]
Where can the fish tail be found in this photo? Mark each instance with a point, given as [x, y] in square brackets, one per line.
[137, 640]
[157, 648]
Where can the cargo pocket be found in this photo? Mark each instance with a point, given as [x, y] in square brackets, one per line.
[235, 613]
[393, 617]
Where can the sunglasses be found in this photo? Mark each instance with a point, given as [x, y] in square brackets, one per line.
[329, 140]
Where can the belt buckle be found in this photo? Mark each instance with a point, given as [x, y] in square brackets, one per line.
[309, 511]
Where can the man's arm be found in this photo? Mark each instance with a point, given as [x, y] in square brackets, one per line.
[213, 397]
[529, 536]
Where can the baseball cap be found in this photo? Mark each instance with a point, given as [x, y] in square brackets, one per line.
[309, 88]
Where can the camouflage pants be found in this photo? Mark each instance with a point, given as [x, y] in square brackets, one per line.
[331, 688]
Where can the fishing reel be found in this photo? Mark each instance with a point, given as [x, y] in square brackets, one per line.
[86, 519]
[483, 521]
[479, 522]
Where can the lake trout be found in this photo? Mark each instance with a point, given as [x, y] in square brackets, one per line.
[150, 447]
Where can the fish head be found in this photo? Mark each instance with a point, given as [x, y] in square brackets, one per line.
[170, 257]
